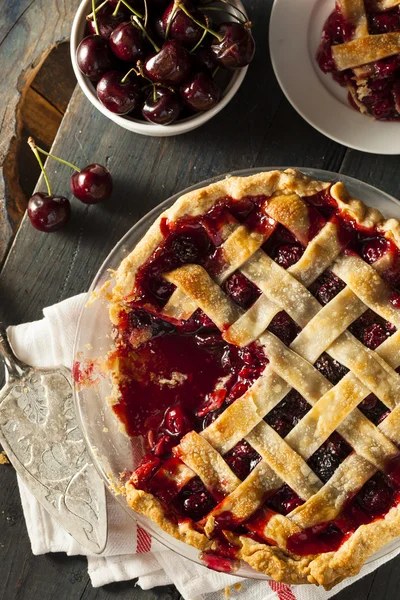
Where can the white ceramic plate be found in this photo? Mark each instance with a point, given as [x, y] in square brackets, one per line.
[294, 36]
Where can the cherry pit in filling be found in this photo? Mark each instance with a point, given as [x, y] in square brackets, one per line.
[179, 376]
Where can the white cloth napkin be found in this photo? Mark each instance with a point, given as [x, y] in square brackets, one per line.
[130, 551]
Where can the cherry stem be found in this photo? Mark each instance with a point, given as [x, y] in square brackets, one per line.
[139, 72]
[152, 42]
[116, 9]
[201, 39]
[34, 149]
[95, 17]
[146, 14]
[60, 160]
[170, 18]
[125, 77]
[135, 12]
[214, 33]
[215, 72]
[97, 9]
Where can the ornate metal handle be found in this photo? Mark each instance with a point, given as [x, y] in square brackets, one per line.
[14, 367]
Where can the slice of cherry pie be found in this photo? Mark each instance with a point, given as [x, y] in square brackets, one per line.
[256, 348]
[360, 46]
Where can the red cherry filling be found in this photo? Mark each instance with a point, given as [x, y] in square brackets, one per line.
[242, 459]
[284, 500]
[288, 255]
[330, 368]
[328, 457]
[372, 502]
[385, 22]
[371, 329]
[374, 249]
[287, 413]
[194, 501]
[374, 409]
[326, 287]
[284, 328]
[241, 290]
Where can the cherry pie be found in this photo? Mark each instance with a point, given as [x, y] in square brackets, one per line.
[360, 46]
[256, 347]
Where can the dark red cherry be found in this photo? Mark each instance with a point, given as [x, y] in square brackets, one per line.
[48, 213]
[288, 255]
[170, 66]
[385, 22]
[283, 327]
[237, 47]
[200, 92]
[176, 421]
[375, 249]
[162, 106]
[92, 185]
[106, 24]
[94, 57]
[204, 59]
[181, 27]
[373, 335]
[241, 290]
[126, 42]
[119, 97]
[198, 505]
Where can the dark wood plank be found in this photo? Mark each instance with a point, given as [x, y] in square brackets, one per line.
[28, 31]
[55, 80]
[23, 575]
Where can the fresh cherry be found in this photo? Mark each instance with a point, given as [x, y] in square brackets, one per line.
[92, 184]
[170, 66]
[120, 94]
[162, 106]
[200, 92]
[48, 213]
[106, 24]
[94, 57]
[234, 47]
[204, 59]
[126, 42]
[181, 27]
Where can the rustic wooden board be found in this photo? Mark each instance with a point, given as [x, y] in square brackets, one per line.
[258, 128]
[29, 29]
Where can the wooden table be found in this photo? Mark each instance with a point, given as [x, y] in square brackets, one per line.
[258, 128]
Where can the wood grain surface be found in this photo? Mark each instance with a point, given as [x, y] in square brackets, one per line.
[29, 29]
[258, 128]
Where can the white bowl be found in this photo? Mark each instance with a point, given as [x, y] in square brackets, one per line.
[135, 125]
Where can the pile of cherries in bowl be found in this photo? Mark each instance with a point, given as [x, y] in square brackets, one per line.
[163, 59]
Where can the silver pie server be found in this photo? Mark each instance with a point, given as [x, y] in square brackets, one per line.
[42, 440]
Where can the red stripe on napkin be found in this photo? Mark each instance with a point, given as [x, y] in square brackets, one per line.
[143, 543]
[284, 592]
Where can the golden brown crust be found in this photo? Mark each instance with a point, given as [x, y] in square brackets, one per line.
[285, 189]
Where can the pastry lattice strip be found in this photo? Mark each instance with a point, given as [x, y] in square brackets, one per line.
[374, 434]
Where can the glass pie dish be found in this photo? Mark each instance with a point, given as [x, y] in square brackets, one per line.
[112, 450]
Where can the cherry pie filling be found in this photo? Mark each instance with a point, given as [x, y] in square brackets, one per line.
[383, 99]
[179, 376]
